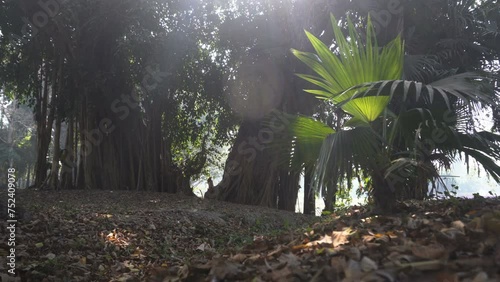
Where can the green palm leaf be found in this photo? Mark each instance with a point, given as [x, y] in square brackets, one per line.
[344, 150]
[301, 142]
[391, 117]
[466, 87]
[355, 64]
[366, 109]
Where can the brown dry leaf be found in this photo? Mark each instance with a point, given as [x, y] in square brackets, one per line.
[290, 260]
[140, 249]
[341, 237]
[476, 225]
[225, 269]
[239, 258]
[324, 241]
[204, 247]
[302, 247]
[83, 261]
[277, 251]
[434, 251]
[284, 274]
[255, 258]
[259, 245]
[446, 277]
[458, 224]
[491, 223]
[377, 237]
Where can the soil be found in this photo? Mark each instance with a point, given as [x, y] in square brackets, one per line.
[126, 236]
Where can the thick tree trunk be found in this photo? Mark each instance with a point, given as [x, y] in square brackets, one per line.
[90, 147]
[250, 177]
[153, 153]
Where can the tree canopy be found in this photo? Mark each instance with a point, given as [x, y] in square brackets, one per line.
[148, 95]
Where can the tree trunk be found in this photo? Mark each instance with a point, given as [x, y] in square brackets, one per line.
[331, 195]
[44, 126]
[10, 138]
[309, 195]
[28, 176]
[422, 186]
[288, 190]
[249, 175]
[54, 172]
[68, 159]
[383, 196]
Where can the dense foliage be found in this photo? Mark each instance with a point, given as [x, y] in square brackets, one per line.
[148, 95]
[399, 131]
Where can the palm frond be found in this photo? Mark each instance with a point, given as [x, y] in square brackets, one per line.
[466, 87]
[355, 63]
[406, 166]
[343, 151]
[300, 141]
[420, 67]
[488, 164]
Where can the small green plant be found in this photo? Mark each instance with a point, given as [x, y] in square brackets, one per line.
[326, 213]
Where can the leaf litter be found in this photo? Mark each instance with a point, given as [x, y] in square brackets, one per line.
[124, 236]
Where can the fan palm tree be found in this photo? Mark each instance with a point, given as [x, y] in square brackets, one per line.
[398, 132]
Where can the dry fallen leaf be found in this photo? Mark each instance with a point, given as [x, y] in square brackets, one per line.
[291, 260]
[284, 274]
[341, 237]
[225, 270]
[492, 223]
[476, 225]
[239, 258]
[434, 251]
[446, 277]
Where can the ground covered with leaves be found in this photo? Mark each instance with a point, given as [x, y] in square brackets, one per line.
[123, 236]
